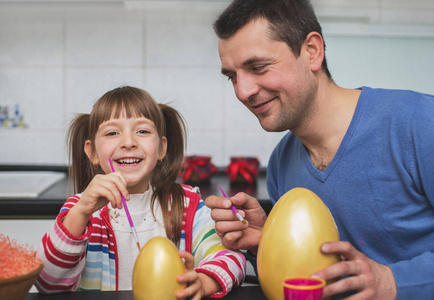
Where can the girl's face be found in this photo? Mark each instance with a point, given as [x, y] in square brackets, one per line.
[134, 147]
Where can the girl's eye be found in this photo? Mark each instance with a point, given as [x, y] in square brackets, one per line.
[143, 131]
[111, 133]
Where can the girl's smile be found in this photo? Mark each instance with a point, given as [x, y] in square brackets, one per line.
[128, 161]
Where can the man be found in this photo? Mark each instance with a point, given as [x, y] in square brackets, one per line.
[367, 153]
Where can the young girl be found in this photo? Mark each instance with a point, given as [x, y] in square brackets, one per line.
[91, 245]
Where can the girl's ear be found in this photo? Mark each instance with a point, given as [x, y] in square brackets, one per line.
[314, 48]
[90, 153]
[163, 149]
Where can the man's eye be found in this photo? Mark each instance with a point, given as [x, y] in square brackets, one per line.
[258, 68]
[231, 78]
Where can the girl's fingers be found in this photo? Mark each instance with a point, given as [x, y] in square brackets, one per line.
[193, 286]
[116, 183]
[120, 183]
[188, 259]
[122, 187]
[106, 187]
[190, 277]
[113, 196]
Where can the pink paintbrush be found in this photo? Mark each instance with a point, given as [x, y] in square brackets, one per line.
[124, 203]
[234, 210]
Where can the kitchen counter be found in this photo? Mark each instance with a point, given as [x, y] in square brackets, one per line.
[48, 204]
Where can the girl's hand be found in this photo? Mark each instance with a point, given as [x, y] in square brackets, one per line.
[194, 285]
[199, 284]
[100, 191]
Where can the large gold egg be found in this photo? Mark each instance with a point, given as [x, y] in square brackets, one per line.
[155, 271]
[291, 238]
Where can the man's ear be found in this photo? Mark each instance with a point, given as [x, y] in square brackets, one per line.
[163, 149]
[90, 153]
[313, 47]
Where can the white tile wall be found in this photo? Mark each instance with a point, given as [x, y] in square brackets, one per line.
[378, 11]
[85, 85]
[408, 4]
[32, 146]
[181, 37]
[27, 43]
[24, 232]
[193, 91]
[387, 62]
[57, 61]
[104, 43]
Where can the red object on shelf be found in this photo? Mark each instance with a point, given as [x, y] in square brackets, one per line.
[243, 169]
[196, 169]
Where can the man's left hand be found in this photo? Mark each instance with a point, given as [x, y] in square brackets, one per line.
[369, 279]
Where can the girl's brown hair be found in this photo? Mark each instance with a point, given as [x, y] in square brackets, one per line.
[168, 122]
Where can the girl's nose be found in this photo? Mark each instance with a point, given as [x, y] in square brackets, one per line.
[245, 87]
[128, 141]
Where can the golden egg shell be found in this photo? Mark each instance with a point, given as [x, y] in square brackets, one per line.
[156, 270]
[290, 243]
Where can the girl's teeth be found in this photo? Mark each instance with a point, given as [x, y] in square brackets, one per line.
[129, 161]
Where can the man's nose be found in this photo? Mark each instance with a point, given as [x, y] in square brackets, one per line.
[245, 87]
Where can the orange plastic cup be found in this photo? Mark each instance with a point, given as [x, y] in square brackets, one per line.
[303, 288]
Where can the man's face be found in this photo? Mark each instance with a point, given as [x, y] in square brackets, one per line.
[268, 78]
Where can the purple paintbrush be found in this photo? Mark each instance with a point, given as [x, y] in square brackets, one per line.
[234, 210]
[124, 203]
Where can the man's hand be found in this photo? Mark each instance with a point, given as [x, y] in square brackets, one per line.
[234, 234]
[369, 279]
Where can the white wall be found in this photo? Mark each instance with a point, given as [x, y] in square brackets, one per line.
[57, 60]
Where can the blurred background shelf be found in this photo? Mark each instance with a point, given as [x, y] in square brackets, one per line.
[48, 203]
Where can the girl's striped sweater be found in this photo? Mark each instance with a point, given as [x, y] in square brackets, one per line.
[90, 262]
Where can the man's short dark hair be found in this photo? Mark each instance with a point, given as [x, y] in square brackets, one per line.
[289, 21]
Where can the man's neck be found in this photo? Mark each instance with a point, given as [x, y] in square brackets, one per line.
[324, 133]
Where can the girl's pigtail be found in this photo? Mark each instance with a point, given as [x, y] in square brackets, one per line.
[80, 167]
[175, 134]
[165, 175]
